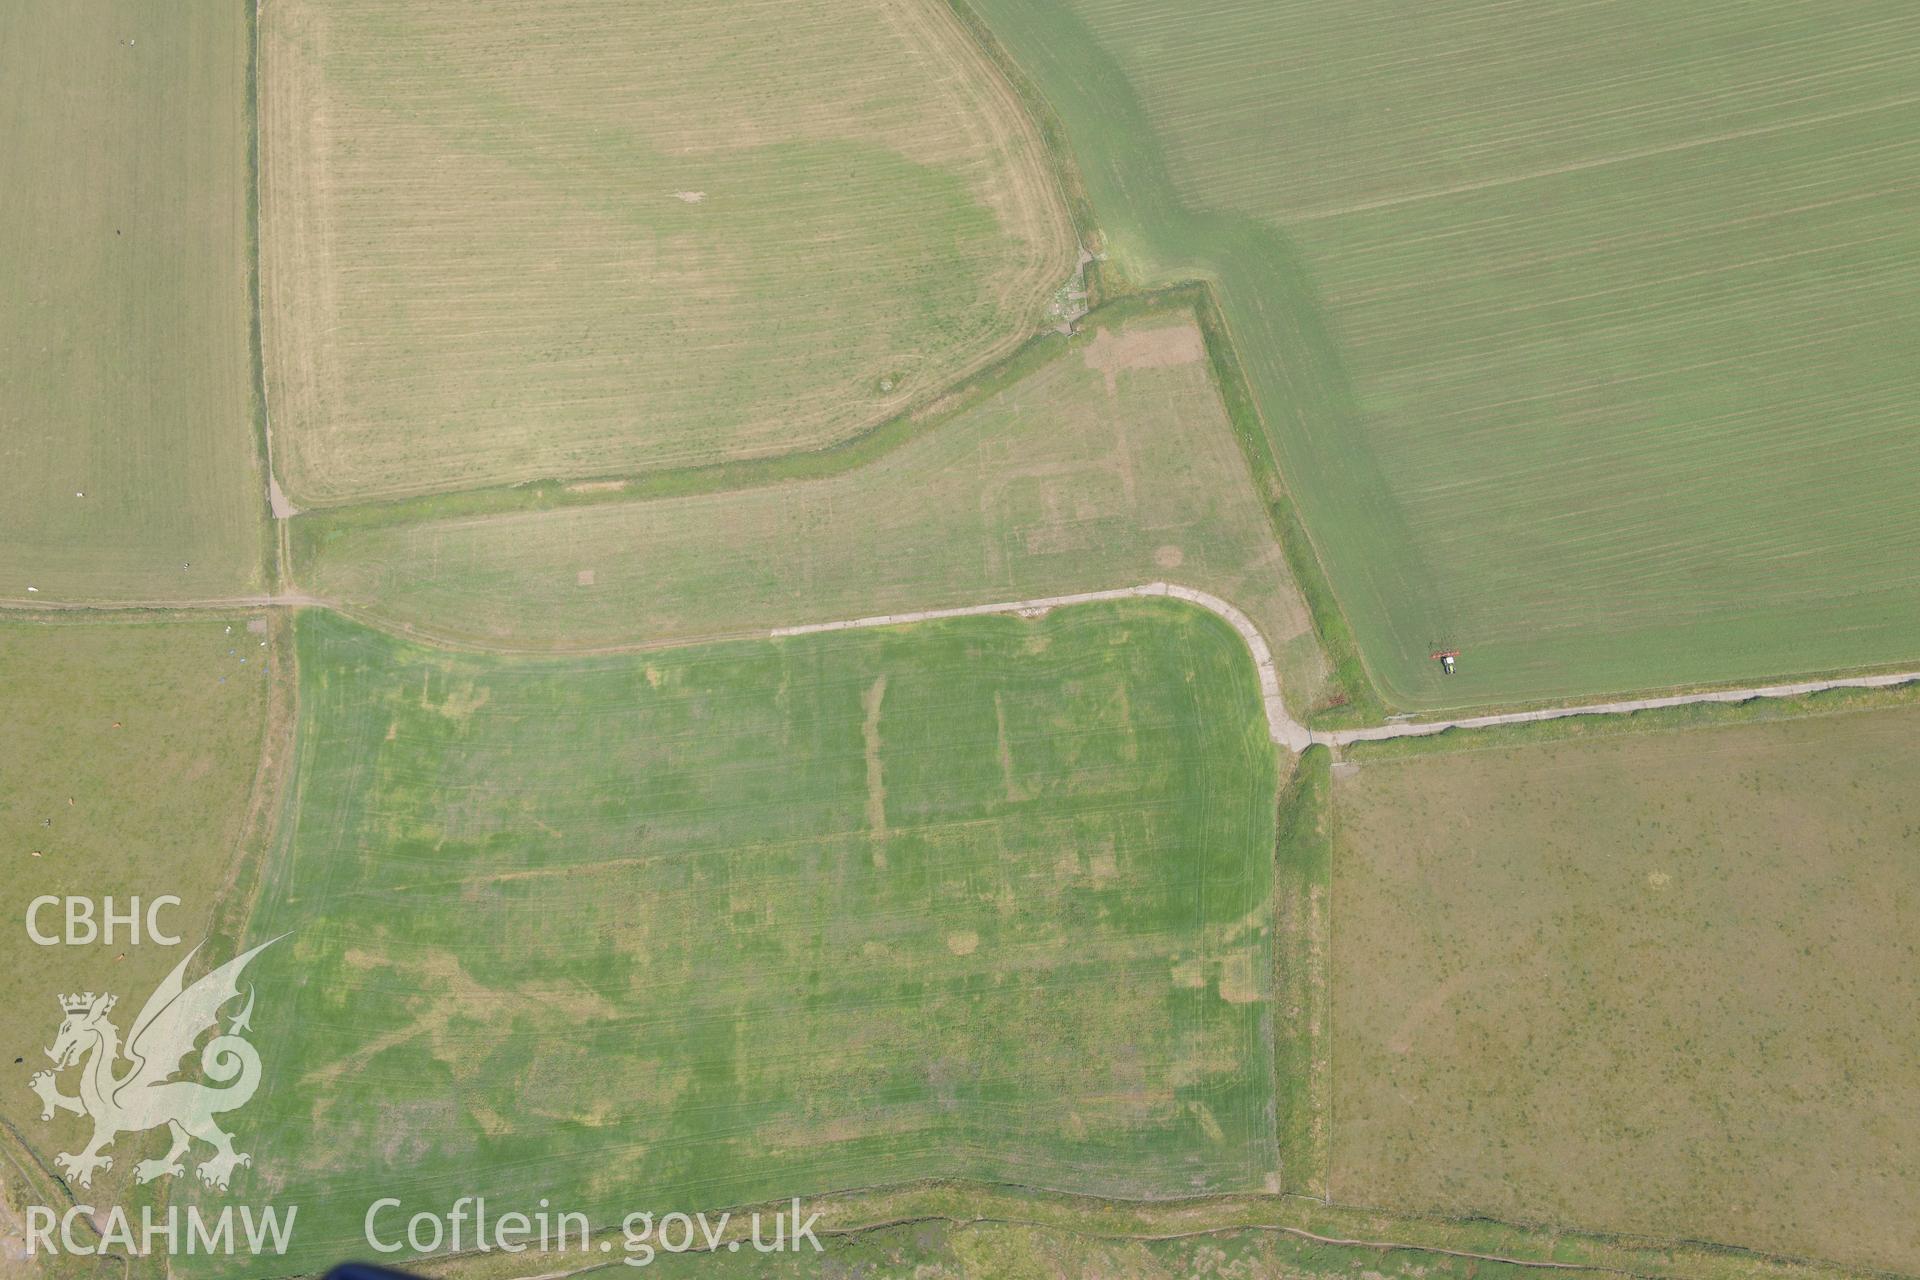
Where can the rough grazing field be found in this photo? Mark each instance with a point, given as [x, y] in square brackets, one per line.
[1665, 984]
[124, 371]
[127, 766]
[596, 237]
[746, 920]
[1109, 466]
[1582, 331]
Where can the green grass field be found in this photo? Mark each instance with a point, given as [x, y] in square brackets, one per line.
[128, 767]
[754, 919]
[1580, 333]
[128, 467]
[616, 239]
[1661, 983]
[1110, 464]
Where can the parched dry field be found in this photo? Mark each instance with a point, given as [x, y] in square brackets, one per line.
[1583, 330]
[130, 765]
[1663, 983]
[1111, 465]
[767, 918]
[592, 238]
[128, 464]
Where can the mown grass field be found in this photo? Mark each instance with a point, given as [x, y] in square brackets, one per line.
[128, 467]
[1662, 983]
[1109, 465]
[600, 239]
[1580, 333]
[754, 919]
[128, 766]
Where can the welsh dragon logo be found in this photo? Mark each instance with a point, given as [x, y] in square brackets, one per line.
[145, 1095]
